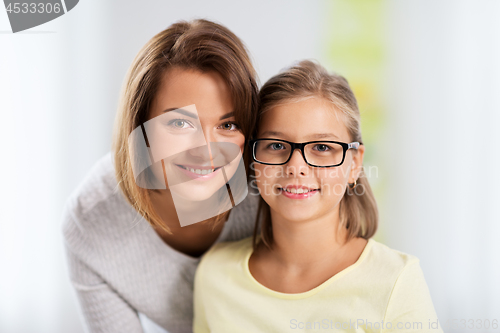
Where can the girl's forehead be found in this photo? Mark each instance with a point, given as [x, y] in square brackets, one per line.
[305, 118]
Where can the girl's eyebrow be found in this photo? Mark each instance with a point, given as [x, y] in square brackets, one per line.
[272, 133]
[322, 135]
[312, 136]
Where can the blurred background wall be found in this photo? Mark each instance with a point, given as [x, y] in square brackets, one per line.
[427, 78]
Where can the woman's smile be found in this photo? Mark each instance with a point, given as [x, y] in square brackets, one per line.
[199, 172]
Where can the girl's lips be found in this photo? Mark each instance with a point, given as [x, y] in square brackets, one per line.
[197, 176]
[298, 195]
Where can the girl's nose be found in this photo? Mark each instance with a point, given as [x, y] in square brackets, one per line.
[297, 165]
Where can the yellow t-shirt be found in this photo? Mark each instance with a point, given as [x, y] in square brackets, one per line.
[383, 291]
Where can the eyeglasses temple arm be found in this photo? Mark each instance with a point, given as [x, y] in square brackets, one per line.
[353, 145]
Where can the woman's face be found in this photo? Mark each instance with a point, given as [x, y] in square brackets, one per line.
[191, 128]
[311, 119]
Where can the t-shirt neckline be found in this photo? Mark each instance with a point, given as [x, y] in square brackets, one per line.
[311, 292]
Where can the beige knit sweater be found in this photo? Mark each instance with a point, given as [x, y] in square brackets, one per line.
[120, 267]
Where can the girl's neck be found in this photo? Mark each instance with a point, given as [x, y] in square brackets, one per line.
[308, 243]
[304, 254]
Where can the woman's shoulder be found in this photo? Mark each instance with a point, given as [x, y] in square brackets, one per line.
[248, 206]
[96, 198]
[242, 218]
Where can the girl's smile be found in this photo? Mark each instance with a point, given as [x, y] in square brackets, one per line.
[298, 191]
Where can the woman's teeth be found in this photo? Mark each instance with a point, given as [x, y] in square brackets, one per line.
[199, 171]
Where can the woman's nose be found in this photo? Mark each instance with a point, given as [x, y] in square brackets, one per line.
[297, 165]
[209, 151]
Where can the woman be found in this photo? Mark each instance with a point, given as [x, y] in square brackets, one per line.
[188, 100]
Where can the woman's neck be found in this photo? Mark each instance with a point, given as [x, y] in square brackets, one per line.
[193, 239]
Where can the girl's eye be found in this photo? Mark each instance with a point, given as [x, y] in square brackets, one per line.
[322, 147]
[276, 146]
[179, 123]
[230, 126]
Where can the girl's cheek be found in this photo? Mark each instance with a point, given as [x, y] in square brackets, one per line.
[259, 174]
[265, 177]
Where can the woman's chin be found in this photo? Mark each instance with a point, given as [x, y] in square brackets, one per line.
[195, 193]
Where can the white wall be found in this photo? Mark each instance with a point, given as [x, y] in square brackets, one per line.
[443, 147]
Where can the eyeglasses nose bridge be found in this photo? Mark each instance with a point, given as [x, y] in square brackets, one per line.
[300, 147]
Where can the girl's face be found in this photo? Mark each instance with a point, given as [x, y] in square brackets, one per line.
[311, 119]
[191, 128]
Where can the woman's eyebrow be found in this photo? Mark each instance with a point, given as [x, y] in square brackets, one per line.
[193, 115]
[184, 112]
[227, 115]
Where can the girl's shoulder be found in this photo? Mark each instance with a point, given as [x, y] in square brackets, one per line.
[223, 263]
[226, 253]
[383, 256]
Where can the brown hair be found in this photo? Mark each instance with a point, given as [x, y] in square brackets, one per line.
[201, 45]
[358, 212]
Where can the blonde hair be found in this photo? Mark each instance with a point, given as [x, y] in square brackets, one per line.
[201, 45]
[358, 212]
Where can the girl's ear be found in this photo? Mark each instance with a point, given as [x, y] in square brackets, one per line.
[357, 164]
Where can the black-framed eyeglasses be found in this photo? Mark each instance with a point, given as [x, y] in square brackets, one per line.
[321, 154]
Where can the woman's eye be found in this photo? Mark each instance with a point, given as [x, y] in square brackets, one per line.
[230, 126]
[179, 123]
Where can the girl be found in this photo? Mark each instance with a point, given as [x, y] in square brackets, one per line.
[184, 118]
[313, 265]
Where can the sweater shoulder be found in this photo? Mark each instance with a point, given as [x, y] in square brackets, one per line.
[96, 202]
[242, 218]
[97, 185]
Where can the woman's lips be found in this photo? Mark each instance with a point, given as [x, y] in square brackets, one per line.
[199, 173]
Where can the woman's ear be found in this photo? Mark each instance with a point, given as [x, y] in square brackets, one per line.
[357, 163]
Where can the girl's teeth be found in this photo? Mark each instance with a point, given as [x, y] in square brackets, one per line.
[296, 190]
